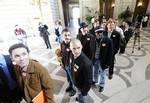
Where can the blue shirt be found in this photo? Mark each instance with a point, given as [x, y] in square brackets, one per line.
[3, 65]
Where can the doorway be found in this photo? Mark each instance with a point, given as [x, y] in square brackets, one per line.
[75, 19]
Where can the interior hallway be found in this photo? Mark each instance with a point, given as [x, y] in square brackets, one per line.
[130, 83]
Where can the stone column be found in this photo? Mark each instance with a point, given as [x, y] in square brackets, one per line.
[61, 12]
[117, 8]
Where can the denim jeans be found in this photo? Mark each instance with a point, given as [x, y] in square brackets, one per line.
[96, 68]
[69, 78]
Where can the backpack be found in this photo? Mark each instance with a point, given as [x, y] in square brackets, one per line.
[57, 31]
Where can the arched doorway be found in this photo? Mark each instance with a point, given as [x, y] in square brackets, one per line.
[74, 19]
[68, 6]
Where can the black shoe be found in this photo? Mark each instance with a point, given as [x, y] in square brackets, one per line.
[93, 83]
[47, 47]
[77, 99]
[69, 88]
[120, 53]
[101, 89]
[110, 76]
[72, 92]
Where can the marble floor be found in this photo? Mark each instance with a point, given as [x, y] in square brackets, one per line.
[130, 83]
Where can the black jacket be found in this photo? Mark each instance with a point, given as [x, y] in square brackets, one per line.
[105, 53]
[86, 41]
[82, 73]
[116, 38]
[65, 51]
[128, 33]
[43, 30]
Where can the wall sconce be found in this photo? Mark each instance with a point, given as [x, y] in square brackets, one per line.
[139, 4]
[113, 5]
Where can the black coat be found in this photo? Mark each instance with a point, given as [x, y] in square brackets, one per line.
[116, 38]
[43, 30]
[105, 53]
[65, 51]
[81, 70]
[86, 42]
[128, 33]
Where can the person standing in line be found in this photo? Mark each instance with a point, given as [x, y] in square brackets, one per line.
[94, 27]
[65, 52]
[116, 38]
[30, 72]
[128, 32]
[86, 40]
[20, 34]
[81, 67]
[101, 19]
[102, 53]
[8, 86]
[45, 34]
[123, 41]
[103, 25]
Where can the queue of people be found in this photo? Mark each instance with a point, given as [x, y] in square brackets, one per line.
[22, 77]
[85, 59]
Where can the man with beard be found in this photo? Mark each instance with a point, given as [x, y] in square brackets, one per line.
[102, 53]
[86, 39]
[65, 52]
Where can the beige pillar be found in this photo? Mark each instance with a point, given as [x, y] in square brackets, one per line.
[61, 12]
[117, 8]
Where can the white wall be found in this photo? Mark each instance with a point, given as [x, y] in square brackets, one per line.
[27, 16]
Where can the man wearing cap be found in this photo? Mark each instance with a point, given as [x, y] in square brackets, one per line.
[102, 53]
[86, 39]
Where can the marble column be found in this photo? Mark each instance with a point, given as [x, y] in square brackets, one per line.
[117, 8]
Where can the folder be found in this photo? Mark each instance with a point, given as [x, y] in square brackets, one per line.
[40, 98]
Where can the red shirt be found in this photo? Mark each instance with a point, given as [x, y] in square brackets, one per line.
[18, 31]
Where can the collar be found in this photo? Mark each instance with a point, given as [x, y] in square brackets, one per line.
[24, 69]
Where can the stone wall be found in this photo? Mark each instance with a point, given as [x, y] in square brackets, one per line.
[92, 4]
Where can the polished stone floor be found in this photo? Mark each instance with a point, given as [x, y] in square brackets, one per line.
[130, 83]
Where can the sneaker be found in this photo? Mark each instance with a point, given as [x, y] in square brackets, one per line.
[72, 93]
[101, 89]
[69, 88]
